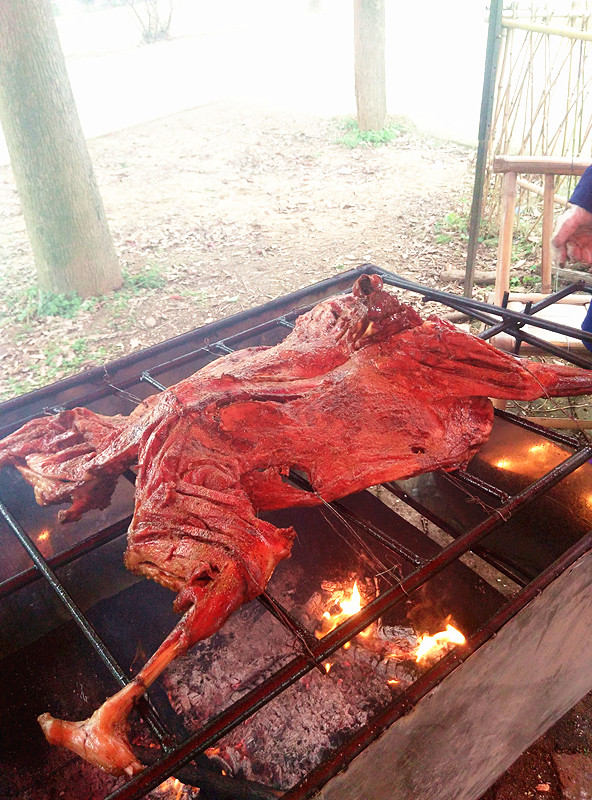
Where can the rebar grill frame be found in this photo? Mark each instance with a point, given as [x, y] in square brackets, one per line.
[182, 753]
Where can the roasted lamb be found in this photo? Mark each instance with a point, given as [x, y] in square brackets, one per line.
[362, 391]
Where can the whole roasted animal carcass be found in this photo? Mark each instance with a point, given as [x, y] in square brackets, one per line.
[362, 391]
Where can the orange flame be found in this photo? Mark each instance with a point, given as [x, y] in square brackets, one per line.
[327, 666]
[348, 605]
[433, 644]
[354, 604]
[43, 536]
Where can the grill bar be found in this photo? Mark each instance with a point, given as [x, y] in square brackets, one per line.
[474, 307]
[463, 479]
[81, 620]
[548, 433]
[578, 286]
[552, 349]
[75, 612]
[299, 666]
[453, 531]
[66, 557]
[376, 533]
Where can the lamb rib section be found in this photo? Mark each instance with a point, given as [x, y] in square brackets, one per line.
[362, 391]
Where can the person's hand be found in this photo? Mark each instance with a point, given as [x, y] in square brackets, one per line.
[572, 237]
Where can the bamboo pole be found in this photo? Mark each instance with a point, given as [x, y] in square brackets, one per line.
[541, 165]
[549, 191]
[560, 200]
[568, 33]
[504, 252]
[543, 96]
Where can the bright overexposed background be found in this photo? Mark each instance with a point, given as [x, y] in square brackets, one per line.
[276, 53]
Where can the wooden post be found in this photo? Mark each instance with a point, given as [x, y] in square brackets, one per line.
[548, 197]
[504, 250]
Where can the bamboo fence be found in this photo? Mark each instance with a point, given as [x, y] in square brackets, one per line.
[543, 103]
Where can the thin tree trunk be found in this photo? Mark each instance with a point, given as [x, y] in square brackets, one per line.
[63, 210]
[369, 44]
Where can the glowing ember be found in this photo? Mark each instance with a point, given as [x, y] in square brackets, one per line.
[43, 536]
[503, 463]
[393, 682]
[433, 644]
[171, 789]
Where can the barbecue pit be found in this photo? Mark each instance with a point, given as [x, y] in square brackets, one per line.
[75, 622]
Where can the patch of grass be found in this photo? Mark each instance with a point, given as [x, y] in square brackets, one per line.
[528, 280]
[150, 277]
[27, 305]
[57, 361]
[523, 248]
[16, 387]
[453, 225]
[354, 137]
[32, 303]
[199, 295]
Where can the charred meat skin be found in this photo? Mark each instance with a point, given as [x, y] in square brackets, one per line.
[362, 391]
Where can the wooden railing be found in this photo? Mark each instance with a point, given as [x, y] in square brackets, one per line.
[511, 167]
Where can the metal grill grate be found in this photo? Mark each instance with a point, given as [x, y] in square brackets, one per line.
[181, 752]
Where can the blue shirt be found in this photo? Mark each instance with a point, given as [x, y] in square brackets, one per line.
[582, 196]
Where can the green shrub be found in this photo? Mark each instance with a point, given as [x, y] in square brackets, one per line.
[353, 136]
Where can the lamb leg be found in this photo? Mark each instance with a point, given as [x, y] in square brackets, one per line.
[102, 739]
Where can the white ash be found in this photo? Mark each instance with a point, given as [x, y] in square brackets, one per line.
[293, 733]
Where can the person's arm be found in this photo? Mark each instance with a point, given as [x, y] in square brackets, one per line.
[572, 238]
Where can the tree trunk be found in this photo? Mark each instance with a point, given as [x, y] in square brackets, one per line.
[63, 210]
[369, 35]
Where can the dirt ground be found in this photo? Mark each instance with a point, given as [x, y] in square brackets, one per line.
[224, 207]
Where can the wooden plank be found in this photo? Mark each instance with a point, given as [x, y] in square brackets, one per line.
[540, 165]
[574, 275]
[481, 277]
[536, 297]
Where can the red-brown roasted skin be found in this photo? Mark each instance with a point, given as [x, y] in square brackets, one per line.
[362, 391]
